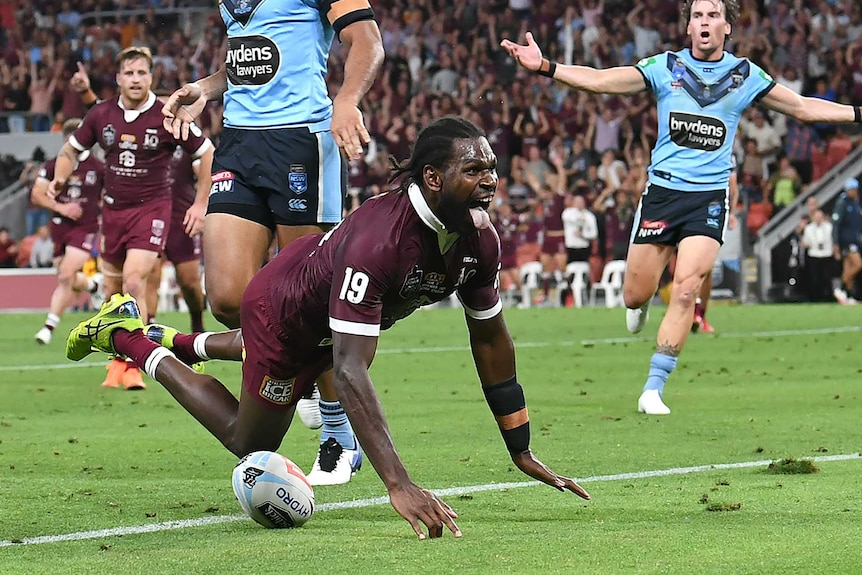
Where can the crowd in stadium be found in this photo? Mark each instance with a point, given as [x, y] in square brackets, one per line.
[444, 58]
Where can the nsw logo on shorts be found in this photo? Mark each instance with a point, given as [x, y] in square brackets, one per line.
[277, 391]
[297, 179]
[714, 210]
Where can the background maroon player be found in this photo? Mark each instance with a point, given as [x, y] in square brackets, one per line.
[74, 227]
[397, 252]
[137, 202]
[181, 249]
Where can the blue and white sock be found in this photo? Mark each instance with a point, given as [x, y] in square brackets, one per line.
[335, 424]
[660, 367]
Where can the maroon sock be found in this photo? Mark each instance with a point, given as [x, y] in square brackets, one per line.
[184, 348]
[134, 345]
[698, 309]
[197, 321]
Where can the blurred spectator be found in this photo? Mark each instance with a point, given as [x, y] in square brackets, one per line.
[819, 265]
[784, 185]
[8, 249]
[581, 229]
[42, 250]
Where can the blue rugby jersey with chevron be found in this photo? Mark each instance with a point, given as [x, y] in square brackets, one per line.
[699, 106]
[276, 63]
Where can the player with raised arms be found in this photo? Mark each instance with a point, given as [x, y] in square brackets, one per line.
[324, 300]
[701, 93]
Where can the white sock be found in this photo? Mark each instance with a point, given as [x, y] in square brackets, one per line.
[154, 359]
[52, 320]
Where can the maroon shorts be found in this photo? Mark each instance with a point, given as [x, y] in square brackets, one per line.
[554, 245]
[68, 234]
[508, 261]
[180, 248]
[144, 227]
[275, 372]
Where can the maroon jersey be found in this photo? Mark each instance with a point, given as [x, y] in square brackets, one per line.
[384, 261]
[83, 187]
[507, 229]
[182, 180]
[553, 215]
[138, 150]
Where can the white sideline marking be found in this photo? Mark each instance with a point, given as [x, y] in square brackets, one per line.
[521, 344]
[371, 501]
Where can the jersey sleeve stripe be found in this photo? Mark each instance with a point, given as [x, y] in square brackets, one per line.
[647, 83]
[354, 328]
[762, 94]
[73, 141]
[203, 149]
[484, 314]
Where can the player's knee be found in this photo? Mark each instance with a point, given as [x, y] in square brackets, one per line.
[635, 296]
[225, 311]
[684, 290]
[65, 277]
[135, 284]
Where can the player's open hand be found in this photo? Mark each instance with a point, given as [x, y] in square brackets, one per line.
[193, 221]
[529, 56]
[528, 463]
[183, 107]
[348, 129]
[419, 506]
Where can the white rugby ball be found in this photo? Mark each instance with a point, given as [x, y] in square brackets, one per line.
[273, 490]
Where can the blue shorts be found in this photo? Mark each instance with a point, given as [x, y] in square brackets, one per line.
[666, 216]
[284, 176]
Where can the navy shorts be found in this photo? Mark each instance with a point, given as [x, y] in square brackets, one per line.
[666, 216]
[284, 176]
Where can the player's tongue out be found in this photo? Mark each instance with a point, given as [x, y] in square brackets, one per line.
[480, 218]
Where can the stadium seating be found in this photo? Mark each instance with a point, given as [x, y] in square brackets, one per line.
[611, 284]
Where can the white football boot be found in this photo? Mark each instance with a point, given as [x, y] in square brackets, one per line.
[334, 464]
[43, 336]
[636, 318]
[650, 403]
[308, 409]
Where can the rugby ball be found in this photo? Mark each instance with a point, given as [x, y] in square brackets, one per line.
[273, 490]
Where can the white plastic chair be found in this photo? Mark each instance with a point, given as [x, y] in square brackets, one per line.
[531, 278]
[611, 284]
[578, 278]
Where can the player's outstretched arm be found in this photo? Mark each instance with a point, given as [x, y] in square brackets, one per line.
[364, 58]
[352, 355]
[619, 80]
[805, 109]
[494, 355]
[62, 169]
[187, 103]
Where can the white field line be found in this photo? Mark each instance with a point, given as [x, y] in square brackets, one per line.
[371, 501]
[518, 344]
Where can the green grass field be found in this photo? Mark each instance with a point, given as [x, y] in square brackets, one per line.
[778, 381]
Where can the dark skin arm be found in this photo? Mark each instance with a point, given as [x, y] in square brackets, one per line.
[352, 356]
[494, 356]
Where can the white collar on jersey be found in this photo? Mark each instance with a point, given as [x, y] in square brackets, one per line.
[445, 239]
[132, 115]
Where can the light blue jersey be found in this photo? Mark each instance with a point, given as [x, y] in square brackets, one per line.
[699, 106]
[276, 62]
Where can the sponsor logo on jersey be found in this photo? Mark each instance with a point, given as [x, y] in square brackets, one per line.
[109, 134]
[251, 60]
[712, 222]
[697, 132]
[297, 204]
[277, 391]
[241, 10]
[90, 177]
[411, 284]
[297, 179]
